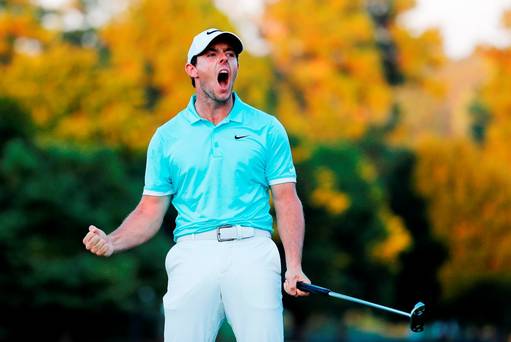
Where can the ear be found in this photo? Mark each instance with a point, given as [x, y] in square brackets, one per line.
[191, 70]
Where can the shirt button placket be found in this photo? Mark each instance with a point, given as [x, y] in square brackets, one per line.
[215, 146]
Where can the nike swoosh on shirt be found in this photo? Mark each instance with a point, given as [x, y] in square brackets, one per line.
[237, 137]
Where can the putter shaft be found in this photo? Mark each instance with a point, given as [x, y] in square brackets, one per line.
[364, 302]
[416, 316]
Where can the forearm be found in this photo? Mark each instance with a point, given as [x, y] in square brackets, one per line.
[291, 226]
[140, 226]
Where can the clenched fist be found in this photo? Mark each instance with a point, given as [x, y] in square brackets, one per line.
[98, 242]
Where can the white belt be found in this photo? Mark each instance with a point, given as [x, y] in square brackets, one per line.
[227, 233]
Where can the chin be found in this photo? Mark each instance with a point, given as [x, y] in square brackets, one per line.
[224, 96]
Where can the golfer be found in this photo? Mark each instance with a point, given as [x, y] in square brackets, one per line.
[217, 161]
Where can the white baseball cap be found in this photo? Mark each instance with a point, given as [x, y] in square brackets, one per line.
[202, 40]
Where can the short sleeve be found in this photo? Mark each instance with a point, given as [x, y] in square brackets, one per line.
[157, 174]
[279, 161]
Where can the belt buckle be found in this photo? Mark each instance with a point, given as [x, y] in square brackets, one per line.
[219, 234]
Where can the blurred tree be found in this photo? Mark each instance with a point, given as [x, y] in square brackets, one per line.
[419, 59]
[352, 240]
[67, 90]
[335, 74]
[412, 64]
[147, 48]
[496, 99]
[328, 76]
[466, 183]
[48, 197]
[117, 88]
[20, 30]
[469, 201]
[381, 12]
[480, 121]
[395, 166]
[14, 122]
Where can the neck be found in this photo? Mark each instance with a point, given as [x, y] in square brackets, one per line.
[213, 110]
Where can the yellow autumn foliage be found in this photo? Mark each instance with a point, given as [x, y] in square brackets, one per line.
[495, 95]
[397, 240]
[469, 196]
[329, 76]
[17, 22]
[119, 95]
[325, 195]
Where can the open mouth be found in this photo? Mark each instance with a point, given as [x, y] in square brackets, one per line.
[223, 78]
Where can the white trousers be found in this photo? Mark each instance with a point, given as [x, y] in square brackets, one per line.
[210, 281]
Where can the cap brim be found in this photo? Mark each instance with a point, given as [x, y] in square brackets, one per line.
[228, 37]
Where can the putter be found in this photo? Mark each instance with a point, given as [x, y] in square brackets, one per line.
[416, 316]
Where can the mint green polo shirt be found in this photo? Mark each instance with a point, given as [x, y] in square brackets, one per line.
[219, 174]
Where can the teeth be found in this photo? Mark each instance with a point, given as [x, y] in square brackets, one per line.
[223, 76]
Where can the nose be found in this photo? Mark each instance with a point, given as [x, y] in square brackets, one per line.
[223, 57]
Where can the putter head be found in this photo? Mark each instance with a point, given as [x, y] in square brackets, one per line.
[417, 317]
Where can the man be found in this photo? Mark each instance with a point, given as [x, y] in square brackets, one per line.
[217, 160]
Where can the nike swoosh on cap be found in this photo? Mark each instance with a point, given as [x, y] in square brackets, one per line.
[212, 31]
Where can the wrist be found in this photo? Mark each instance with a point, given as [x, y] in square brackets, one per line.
[113, 242]
[294, 262]
[294, 268]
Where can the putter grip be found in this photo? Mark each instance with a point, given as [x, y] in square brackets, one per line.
[312, 288]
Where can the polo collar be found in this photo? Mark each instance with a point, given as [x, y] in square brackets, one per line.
[235, 115]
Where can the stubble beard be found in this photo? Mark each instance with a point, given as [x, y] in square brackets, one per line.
[210, 94]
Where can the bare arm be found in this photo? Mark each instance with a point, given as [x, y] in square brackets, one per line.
[140, 225]
[291, 226]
